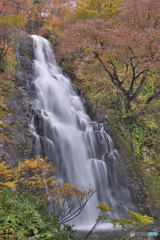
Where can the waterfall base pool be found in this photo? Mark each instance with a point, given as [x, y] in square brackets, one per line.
[103, 234]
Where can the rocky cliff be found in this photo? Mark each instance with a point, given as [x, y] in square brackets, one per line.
[17, 142]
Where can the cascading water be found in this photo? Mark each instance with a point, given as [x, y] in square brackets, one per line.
[83, 152]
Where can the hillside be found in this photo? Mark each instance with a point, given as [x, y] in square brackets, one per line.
[111, 52]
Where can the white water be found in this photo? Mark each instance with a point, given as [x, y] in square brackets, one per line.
[82, 151]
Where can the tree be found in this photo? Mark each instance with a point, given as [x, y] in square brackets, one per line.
[141, 14]
[127, 56]
[11, 23]
[25, 189]
[35, 176]
[102, 217]
[5, 175]
[131, 60]
[23, 216]
[41, 15]
[135, 219]
[68, 201]
[87, 9]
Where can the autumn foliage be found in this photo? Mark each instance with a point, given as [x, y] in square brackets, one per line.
[114, 57]
[118, 54]
[19, 17]
[36, 176]
[111, 49]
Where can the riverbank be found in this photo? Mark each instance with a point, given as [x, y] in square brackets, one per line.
[118, 234]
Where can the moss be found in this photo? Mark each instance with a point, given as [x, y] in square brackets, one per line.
[6, 83]
[23, 148]
[7, 92]
[10, 61]
[138, 143]
[4, 157]
[151, 173]
[123, 143]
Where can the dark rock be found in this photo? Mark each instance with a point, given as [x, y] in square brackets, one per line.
[18, 141]
[33, 87]
[21, 78]
[13, 103]
[26, 64]
[28, 86]
[77, 90]
[28, 134]
[38, 123]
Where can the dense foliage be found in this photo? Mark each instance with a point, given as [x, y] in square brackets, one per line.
[24, 206]
[115, 59]
[23, 215]
[27, 191]
[111, 49]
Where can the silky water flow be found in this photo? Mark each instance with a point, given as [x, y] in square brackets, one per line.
[82, 151]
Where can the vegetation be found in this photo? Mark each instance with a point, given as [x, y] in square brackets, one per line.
[135, 219]
[115, 60]
[23, 202]
[111, 50]
[24, 190]
[23, 215]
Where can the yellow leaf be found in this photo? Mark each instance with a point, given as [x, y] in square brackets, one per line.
[104, 207]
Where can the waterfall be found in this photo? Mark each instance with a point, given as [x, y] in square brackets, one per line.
[82, 151]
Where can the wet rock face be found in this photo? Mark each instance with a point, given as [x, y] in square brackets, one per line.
[38, 123]
[18, 141]
[133, 179]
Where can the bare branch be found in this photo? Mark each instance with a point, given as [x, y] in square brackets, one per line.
[142, 81]
[152, 97]
[113, 76]
[133, 77]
